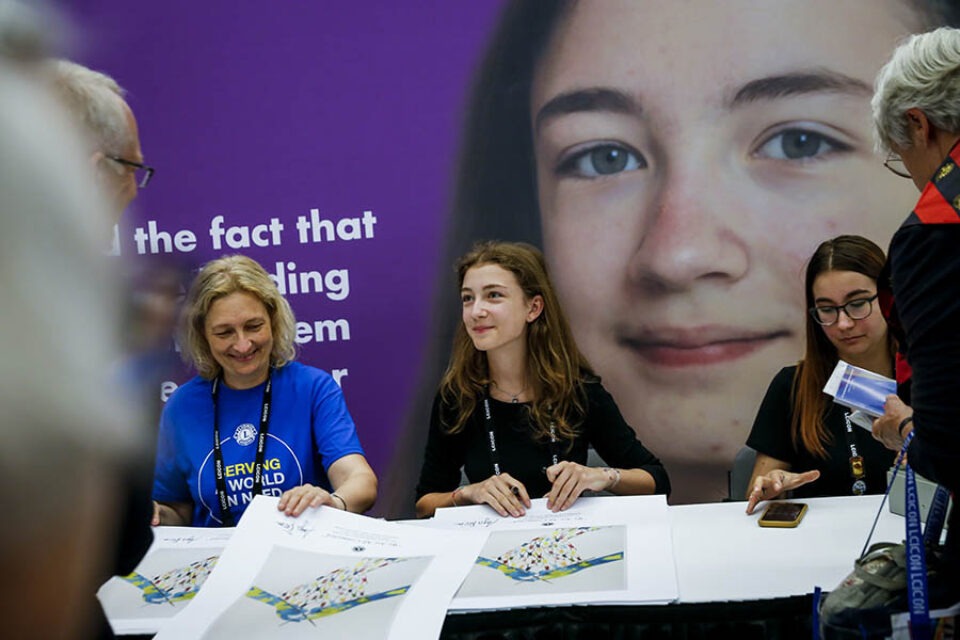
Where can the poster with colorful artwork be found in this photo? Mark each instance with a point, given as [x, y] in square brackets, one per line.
[610, 550]
[329, 574]
[168, 577]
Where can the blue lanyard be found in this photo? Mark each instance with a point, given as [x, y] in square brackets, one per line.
[917, 594]
[917, 591]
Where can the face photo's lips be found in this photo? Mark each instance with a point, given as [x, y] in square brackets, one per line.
[698, 345]
[480, 330]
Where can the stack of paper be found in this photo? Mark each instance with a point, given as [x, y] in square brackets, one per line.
[166, 580]
[600, 551]
[328, 574]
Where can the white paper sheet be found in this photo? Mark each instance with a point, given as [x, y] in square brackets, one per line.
[723, 555]
[601, 550]
[328, 574]
[170, 574]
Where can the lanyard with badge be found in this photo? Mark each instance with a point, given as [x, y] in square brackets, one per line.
[492, 438]
[218, 453]
[857, 472]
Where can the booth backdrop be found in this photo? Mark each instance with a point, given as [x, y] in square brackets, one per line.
[322, 139]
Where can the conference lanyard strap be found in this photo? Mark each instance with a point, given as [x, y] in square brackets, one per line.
[218, 453]
[492, 438]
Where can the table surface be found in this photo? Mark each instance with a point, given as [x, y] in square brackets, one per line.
[722, 554]
[736, 579]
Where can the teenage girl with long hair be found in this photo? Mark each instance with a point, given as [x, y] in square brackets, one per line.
[519, 405]
[805, 442]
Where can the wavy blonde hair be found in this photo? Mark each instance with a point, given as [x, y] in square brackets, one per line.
[555, 366]
[219, 278]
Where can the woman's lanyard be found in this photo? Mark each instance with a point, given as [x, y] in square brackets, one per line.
[492, 438]
[857, 471]
[218, 453]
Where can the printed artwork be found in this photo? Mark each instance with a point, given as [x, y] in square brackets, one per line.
[304, 594]
[175, 585]
[555, 561]
[161, 585]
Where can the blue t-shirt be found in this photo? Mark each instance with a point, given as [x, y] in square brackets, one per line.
[310, 429]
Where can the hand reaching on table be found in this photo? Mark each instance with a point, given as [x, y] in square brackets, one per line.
[569, 480]
[774, 483]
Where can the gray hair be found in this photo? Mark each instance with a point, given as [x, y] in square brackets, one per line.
[96, 101]
[924, 73]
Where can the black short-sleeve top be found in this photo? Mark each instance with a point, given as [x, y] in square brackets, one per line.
[771, 436]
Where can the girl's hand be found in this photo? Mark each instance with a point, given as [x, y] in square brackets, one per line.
[771, 485]
[503, 493]
[569, 480]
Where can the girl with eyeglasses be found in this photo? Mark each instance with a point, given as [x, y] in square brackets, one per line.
[805, 442]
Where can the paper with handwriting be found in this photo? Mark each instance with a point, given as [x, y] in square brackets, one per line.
[328, 574]
[601, 550]
[168, 577]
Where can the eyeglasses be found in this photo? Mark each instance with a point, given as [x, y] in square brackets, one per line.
[895, 163]
[855, 309]
[142, 172]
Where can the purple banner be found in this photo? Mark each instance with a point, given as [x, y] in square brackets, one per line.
[317, 138]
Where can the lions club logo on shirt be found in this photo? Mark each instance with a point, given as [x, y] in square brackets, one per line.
[245, 434]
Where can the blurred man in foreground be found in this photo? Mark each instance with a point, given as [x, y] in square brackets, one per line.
[64, 427]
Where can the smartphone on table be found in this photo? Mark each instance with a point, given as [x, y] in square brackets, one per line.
[783, 514]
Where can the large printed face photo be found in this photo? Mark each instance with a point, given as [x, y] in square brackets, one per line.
[676, 160]
[690, 156]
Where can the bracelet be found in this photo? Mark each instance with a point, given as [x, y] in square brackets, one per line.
[342, 501]
[453, 496]
[616, 477]
[902, 424]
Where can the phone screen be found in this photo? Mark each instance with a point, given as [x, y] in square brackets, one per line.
[783, 511]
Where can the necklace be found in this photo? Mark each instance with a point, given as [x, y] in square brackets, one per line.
[514, 397]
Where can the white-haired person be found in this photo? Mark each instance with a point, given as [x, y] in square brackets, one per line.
[252, 411]
[79, 441]
[916, 113]
[96, 103]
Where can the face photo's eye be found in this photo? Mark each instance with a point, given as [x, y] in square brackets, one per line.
[602, 160]
[799, 144]
[466, 298]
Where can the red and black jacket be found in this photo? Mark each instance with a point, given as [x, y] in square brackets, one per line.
[924, 276]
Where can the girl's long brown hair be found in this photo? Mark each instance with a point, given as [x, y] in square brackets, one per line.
[555, 367]
[811, 404]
